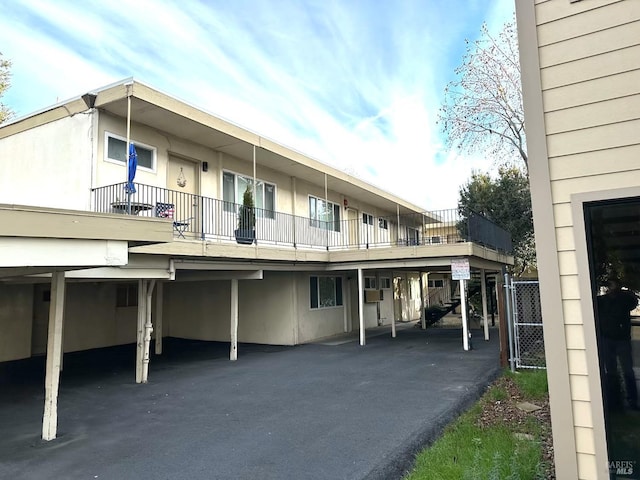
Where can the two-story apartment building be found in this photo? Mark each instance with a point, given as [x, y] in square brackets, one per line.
[327, 253]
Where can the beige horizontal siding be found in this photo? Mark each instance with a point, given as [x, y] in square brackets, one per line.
[567, 263]
[570, 287]
[575, 337]
[593, 115]
[577, 362]
[552, 10]
[572, 312]
[590, 164]
[562, 214]
[584, 440]
[580, 388]
[562, 189]
[618, 61]
[564, 239]
[590, 45]
[587, 468]
[582, 414]
[592, 91]
[598, 138]
[601, 17]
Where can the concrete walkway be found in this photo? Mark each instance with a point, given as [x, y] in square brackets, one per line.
[306, 412]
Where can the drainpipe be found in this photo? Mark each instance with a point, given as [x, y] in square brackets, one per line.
[148, 328]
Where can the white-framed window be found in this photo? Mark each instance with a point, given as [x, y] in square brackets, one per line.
[385, 283]
[383, 223]
[325, 291]
[324, 214]
[437, 283]
[234, 186]
[367, 219]
[115, 150]
[127, 295]
[370, 283]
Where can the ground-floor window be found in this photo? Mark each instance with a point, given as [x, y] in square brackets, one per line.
[613, 239]
[325, 291]
[127, 295]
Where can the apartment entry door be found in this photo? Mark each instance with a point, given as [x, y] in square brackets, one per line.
[182, 179]
[353, 217]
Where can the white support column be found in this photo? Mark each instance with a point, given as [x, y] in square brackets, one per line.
[423, 317]
[485, 310]
[159, 302]
[345, 304]
[363, 339]
[54, 349]
[142, 303]
[148, 328]
[233, 355]
[465, 320]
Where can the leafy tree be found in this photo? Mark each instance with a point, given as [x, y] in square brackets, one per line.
[482, 110]
[5, 112]
[506, 201]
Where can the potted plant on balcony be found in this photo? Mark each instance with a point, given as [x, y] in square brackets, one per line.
[246, 232]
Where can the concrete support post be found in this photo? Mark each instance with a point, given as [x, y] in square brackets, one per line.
[345, 304]
[465, 320]
[485, 313]
[54, 349]
[423, 317]
[142, 304]
[159, 302]
[363, 340]
[148, 328]
[233, 355]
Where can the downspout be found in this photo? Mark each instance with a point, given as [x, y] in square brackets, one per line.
[148, 328]
[398, 218]
[326, 205]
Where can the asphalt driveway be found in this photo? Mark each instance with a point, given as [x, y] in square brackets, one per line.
[305, 412]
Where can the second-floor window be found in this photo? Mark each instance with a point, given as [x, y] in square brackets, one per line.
[116, 150]
[367, 219]
[324, 214]
[383, 223]
[234, 186]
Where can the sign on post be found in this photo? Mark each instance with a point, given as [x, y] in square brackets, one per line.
[460, 269]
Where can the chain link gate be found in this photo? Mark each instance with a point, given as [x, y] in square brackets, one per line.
[528, 338]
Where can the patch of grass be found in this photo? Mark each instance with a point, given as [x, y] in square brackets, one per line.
[471, 450]
[532, 383]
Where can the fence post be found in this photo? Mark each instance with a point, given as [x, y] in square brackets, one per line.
[508, 301]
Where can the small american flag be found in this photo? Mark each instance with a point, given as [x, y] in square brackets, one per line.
[164, 210]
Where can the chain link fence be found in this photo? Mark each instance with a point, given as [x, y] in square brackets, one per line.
[526, 319]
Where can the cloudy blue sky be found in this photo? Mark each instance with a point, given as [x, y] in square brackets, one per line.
[354, 83]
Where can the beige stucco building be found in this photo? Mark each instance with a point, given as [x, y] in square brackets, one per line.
[328, 253]
[580, 65]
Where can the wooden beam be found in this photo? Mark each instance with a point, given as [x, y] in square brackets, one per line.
[485, 314]
[54, 355]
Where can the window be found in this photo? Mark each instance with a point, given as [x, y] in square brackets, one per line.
[367, 219]
[127, 295]
[116, 151]
[435, 283]
[385, 283]
[382, 223]
[323, 214]
[370, 283]
[234, 186]
[436, 239]
[325, 292]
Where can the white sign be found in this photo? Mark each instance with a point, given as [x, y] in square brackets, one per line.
[460, 269]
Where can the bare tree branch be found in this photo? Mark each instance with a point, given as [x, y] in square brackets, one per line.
[482, 110]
